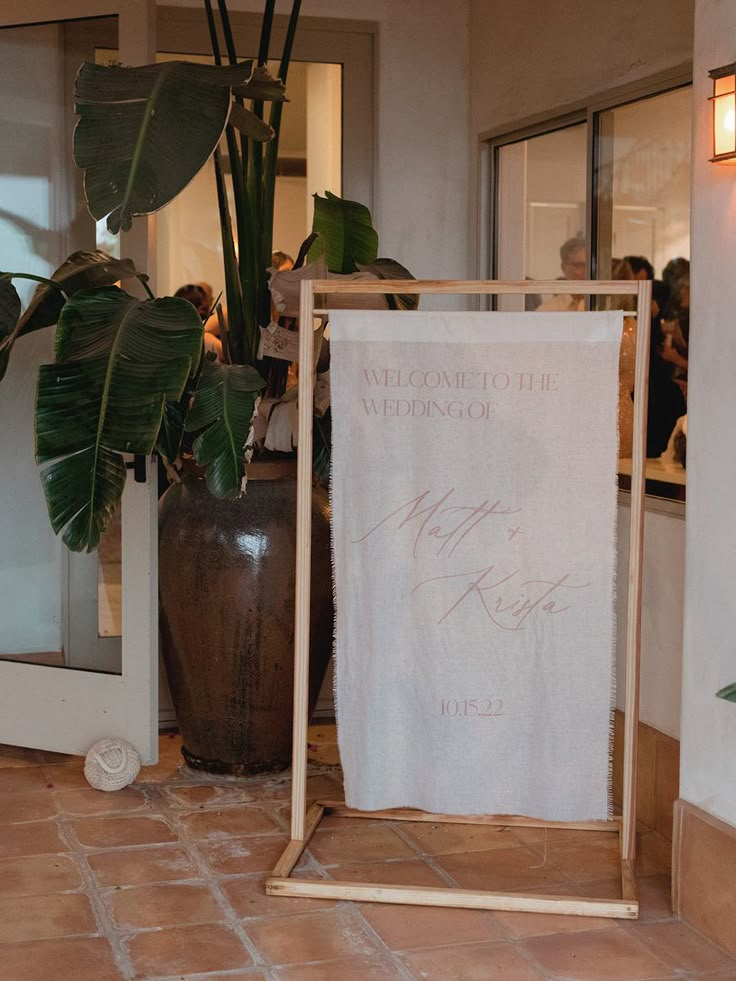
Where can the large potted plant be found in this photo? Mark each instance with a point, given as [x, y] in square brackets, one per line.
[129, 377]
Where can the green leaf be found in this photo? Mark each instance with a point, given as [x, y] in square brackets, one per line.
[322, 448]
[391, 269]
[729, 693]
[173, 421]
[80, 271]
[144, 133]
[249, 124]
[118, 359]
[9, 313]
[9, 308]
[346, 233]
[224, 407]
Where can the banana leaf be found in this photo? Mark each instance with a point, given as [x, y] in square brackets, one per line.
[249, 124]
[262, 86]
[118, 359]
[173, 421]
[346, 234]
[80, 271]
[224, 407]
[144, 133]
[391, 269]
[9, 313]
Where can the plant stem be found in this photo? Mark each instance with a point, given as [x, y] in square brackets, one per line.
[144, 283]
[243, 327]
[272, 149]
[255, 182]
[212, 27]
[233, 289]
[36, 279]
[266, 27]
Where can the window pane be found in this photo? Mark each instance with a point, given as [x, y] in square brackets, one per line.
[310, 161]
[643, 223]
[48, 604]
[541, 207]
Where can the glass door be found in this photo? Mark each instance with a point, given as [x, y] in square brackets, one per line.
[643, 232]
[63, 684]
[541, 210]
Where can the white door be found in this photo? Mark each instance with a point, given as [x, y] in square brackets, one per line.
[49, 622]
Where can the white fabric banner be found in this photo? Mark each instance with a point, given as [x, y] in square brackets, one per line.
[474, 523]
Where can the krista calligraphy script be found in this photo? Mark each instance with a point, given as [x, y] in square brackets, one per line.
[509, 599]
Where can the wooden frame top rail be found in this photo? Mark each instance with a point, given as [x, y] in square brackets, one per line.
[578, 287]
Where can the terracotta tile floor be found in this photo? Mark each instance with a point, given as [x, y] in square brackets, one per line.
[164, 881]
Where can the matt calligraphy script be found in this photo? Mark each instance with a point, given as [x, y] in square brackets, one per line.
[440, 524]
[434, 394]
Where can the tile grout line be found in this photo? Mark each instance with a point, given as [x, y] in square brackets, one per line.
[354, 911]
[108, 928]
[516, 943]
[209, 877]
[429, 861]
[155, 802]
[162, 806]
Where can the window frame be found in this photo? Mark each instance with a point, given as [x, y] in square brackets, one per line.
[586, 111]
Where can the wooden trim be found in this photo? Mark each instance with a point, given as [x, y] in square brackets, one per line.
[496, 820]
[276, 884]
[453, 898]
[703, 873]
[677, 829]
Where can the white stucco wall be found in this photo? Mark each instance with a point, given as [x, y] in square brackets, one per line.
[422, 144]
[708, 760]
[663, 576]
[529, 57]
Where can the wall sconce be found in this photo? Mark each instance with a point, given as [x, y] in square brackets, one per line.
[724, 114]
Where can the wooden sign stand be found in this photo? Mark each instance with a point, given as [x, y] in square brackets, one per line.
[304, 822]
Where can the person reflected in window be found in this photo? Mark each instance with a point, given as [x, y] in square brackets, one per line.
[572, 264]
[676, 316]
[666, 398]
[281, 261]
[621, 269]
[198, 298]
[676, 277]
[640, 266]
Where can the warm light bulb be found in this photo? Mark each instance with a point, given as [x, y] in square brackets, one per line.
[729, 120]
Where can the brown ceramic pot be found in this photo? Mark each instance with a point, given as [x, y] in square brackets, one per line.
[227, 578]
